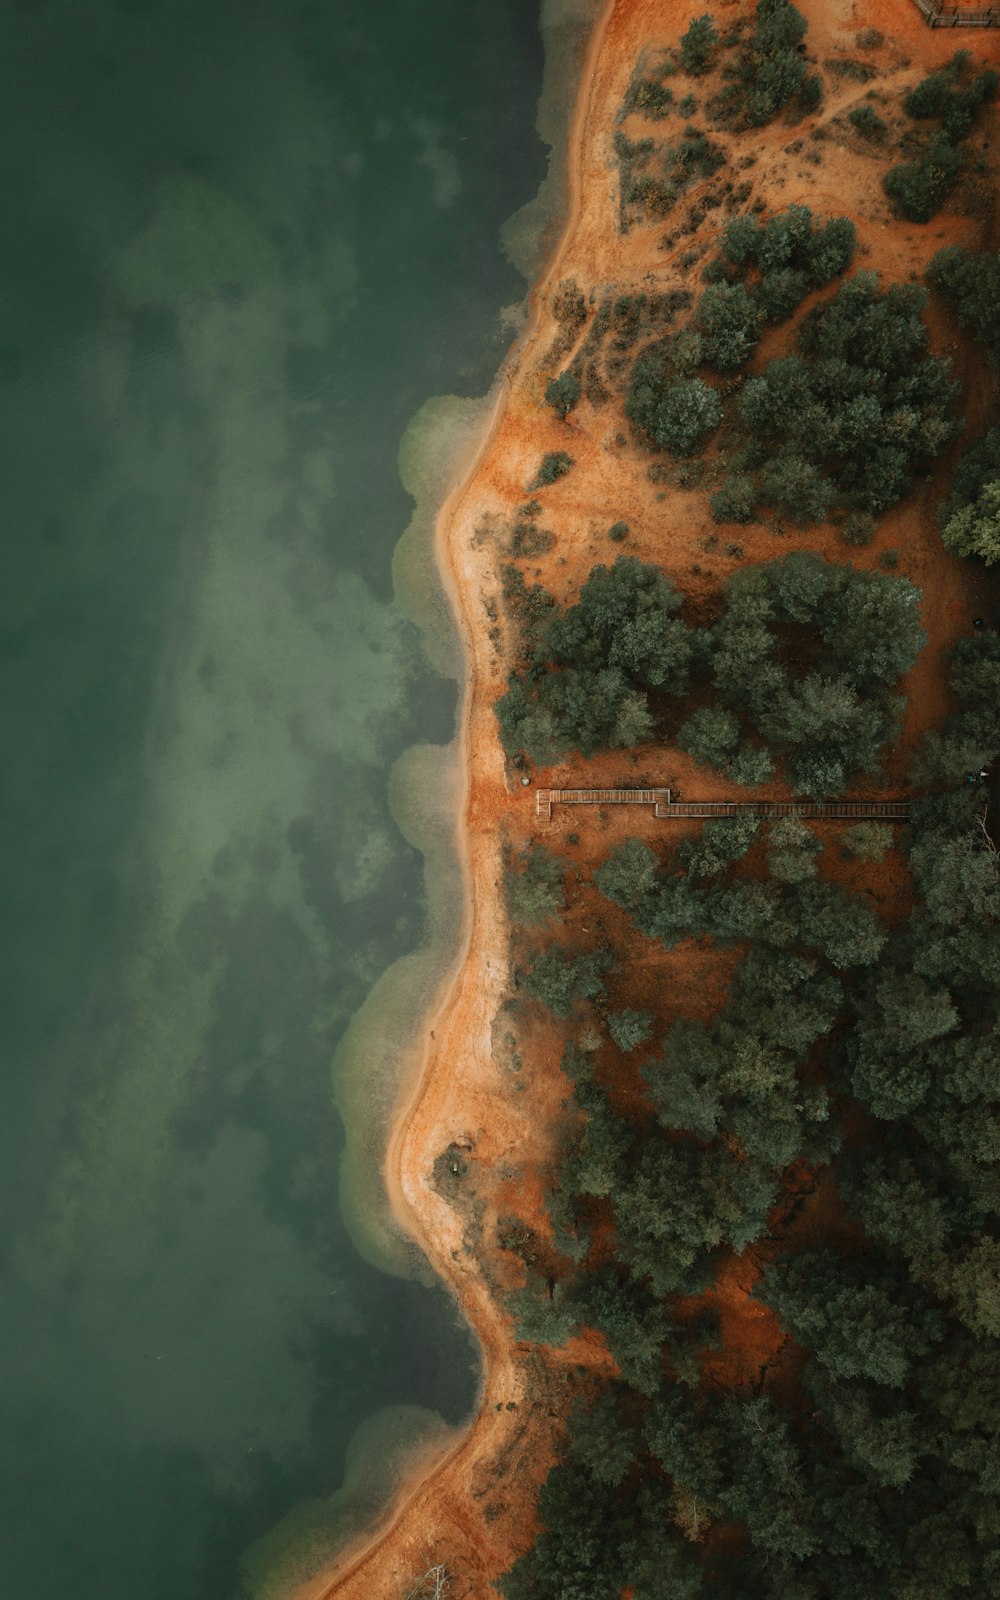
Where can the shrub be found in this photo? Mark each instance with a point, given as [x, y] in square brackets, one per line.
[803, 660]
[730, 323]
[618, 532]
[831, 713]
[971, 284]
[553, 466]
[533, 885]
[863, 403]
[792, 849]
[917, 188]
[811, 93]
[778, 26]
[629, 1029]
[792, 484]
[672, 413]
[770, 70]
[559, 980]
[649, 96]
[858, 529]
[694, 156]
[780, 292]
[601, 657]
[698, 46]
[778, 77]
[867, 841]
[868, 122]
[848, 67]
[735, 501]
[791, 254]
[939, 96]
[975, 529]
[563, 393]
[970, 518]
[652, 194]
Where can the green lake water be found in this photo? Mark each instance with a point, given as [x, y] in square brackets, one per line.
[242, 245]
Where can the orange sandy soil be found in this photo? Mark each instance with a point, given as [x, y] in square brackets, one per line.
[474, 1508]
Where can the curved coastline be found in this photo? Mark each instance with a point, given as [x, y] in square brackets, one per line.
[439, 1505]
[458, 1019]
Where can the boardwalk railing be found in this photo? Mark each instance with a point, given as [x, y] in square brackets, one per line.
[667, 808]
[950, 16]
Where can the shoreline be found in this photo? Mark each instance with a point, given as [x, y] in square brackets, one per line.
[481, 951]
[474, 1507]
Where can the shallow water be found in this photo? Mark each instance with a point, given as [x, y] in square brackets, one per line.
[242, 245]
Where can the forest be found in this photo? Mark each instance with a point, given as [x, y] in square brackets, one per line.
[854, 1057]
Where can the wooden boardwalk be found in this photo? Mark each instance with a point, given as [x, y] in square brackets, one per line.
[667, 808]
[939, 15]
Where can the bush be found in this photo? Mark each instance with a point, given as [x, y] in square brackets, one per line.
[867, 841]
[863, 405]
[618, 532]
[791, 254]
[868, 122]
[791, 239]
[629, 1029]
[975, 529]
[971, 284]
[563, 393]
[649, 96]
[792, 851]
[533, 886]
[730, 323]
[917, 188]
[553, 466]
[971, 516]
[778, 78]
[671, 413]
[698, 46]
[831, 712]
[694, 156]
[770, 70]
[735, 501]
[594, 663]
[780, 292]
[778, 26]
[858, 529]
[848, 67]
[803, 659]
[939, 96]
[811, 93]
[792, 484]
[559, 980]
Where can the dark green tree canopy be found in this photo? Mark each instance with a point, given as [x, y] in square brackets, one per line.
[670, 412]
[953, 99]
[788, 255]
[805, 654]
[698, 45]
[970, 518]
[971, 284]
[863, 404]
[803, 657]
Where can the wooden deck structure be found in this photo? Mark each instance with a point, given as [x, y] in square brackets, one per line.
[667, 808]
[937, 14]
